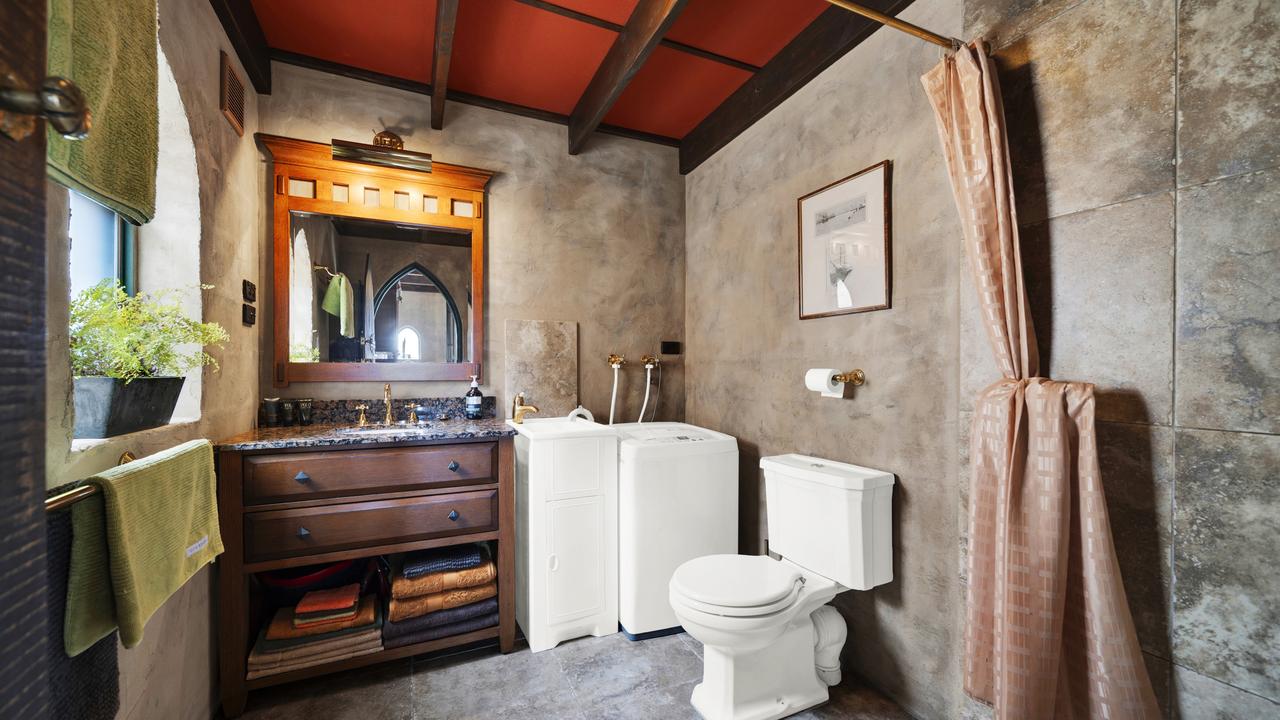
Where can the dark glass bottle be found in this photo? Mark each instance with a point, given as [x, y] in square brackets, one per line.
[473, 399]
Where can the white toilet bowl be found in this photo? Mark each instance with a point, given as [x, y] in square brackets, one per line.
[771, 645]
[752, 615]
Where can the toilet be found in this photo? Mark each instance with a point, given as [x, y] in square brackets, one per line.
[771, 642]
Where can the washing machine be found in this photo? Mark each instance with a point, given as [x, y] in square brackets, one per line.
[677, 500]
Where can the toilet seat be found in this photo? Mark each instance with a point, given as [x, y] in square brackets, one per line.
[736, 585]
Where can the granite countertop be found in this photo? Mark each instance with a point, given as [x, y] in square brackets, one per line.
[279, 438]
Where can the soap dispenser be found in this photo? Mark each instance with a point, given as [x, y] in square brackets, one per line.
[473, 399]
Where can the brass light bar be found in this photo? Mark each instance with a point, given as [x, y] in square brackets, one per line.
[896, 24]
[381, 155]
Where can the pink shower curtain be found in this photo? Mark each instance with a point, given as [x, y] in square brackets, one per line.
[1048, 632]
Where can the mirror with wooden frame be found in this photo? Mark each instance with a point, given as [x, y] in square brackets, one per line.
[378, 271]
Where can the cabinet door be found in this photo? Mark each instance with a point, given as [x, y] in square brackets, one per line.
[575, 559]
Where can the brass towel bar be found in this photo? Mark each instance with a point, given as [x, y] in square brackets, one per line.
[896, 24]
[65, 500]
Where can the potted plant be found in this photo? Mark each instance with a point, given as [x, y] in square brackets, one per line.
[129, 356]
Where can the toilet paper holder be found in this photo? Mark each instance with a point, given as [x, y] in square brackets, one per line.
[853, 377]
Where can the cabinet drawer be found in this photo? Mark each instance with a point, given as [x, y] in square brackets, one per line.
[305, 476]
[304, 531]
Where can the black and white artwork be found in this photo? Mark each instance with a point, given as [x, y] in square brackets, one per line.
[844, 245]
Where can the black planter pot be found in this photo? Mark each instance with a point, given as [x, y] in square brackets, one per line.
[106, 406]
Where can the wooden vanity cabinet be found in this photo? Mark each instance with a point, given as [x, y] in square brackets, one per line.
[282, 508]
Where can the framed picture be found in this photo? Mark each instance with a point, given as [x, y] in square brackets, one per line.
[844, 246]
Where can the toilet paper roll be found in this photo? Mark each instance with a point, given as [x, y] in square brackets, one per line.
[819, 380]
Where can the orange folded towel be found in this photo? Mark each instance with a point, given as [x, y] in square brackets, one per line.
[436, 582]
[324, 601]
[282, 628]
[405, 608]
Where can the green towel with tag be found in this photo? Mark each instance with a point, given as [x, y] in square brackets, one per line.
[135, 543]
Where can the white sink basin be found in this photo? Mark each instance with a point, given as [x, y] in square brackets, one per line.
[557, 428]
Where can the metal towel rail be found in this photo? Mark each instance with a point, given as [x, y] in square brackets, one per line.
[62, 501]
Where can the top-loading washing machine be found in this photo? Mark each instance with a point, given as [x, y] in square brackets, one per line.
[677, 500]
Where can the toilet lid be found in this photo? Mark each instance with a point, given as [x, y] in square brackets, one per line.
[737, 581]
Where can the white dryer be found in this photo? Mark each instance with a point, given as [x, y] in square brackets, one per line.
[677, 500]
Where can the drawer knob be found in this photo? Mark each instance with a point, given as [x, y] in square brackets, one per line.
[302, 478]
[453, 465]
[303, 532]
[453, 514]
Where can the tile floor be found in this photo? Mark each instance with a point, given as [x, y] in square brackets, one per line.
[585, 679]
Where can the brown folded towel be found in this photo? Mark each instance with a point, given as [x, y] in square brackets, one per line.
[405, 608]
[282, 628]
[311, 662]
[319, 648]
[435, 582]
[342, 652]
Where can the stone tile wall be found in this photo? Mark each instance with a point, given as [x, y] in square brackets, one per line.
[1146, 139]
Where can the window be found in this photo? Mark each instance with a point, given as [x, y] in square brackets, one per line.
[102, 246]
[408, 341]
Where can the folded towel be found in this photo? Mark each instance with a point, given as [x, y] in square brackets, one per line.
[260, 659]
[318, 619]
[311, 648]
[434, 633]
[310, 662]
[345, 598]
[458, 557]
[405, 608]
[328, 655]
[281, 627]
[436, 582]
[152, 526]
[438, 618]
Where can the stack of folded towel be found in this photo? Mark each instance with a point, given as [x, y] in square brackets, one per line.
[443, 592]
[325, 626]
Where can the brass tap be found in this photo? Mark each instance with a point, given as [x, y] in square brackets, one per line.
[616, 361]
[362, 421]
[519, 409]
[412, 417]
[386, 399]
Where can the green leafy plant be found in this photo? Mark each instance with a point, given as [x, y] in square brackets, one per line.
[120, 336]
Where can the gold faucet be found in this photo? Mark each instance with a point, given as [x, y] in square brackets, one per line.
[519, 409]
[363, 421]
[386, 399]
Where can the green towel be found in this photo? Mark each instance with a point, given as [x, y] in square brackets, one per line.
[154, 524]
[108, 48]
[339, 301]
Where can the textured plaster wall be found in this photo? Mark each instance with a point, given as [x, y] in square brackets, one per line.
[748, 350]
[171, 674]
[1145, 136]
[595, 239]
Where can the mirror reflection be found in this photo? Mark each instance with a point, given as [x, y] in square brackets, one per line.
[369, 291]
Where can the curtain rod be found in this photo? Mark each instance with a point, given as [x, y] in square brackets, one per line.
[896, 24]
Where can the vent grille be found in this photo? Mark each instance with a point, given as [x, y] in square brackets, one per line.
[231, 95]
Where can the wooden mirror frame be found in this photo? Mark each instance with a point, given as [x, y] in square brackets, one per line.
[313, 163]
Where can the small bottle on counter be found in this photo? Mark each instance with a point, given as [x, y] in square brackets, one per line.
[473, 399]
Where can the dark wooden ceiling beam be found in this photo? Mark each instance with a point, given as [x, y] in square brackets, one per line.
[413, 86]
[615, 27]
[834, 33]
[247, 39]
[446, 24]
[648, 23]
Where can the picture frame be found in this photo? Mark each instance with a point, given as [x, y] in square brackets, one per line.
[844, 245]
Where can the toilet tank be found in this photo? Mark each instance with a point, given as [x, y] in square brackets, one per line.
[831, 518]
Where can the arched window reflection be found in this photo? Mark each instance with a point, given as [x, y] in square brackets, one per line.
[408, 345]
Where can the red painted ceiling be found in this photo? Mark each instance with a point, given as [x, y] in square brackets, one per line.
[515, 53]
